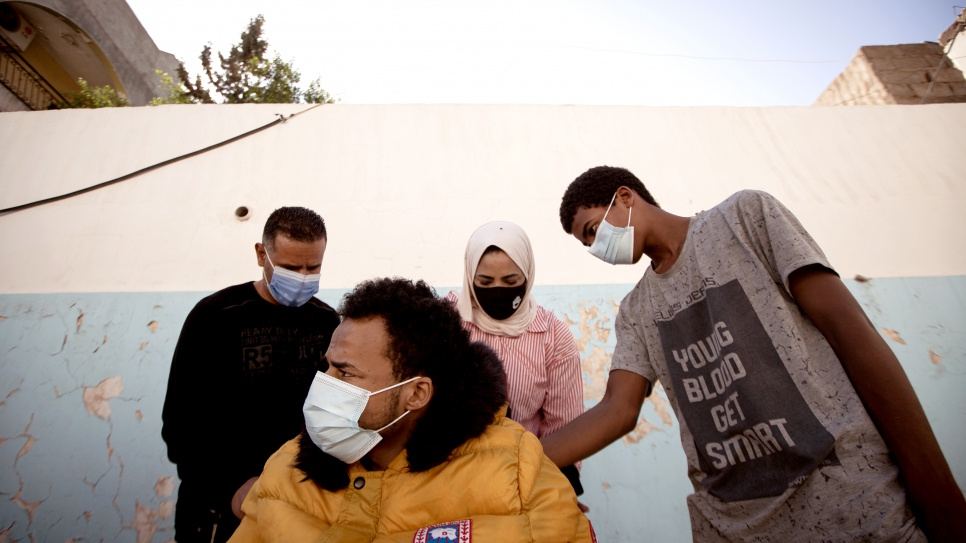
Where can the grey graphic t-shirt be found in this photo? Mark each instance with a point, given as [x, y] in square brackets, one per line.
[779, 445]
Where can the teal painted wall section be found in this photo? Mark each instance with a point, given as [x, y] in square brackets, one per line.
[924, 321]
[82, 381]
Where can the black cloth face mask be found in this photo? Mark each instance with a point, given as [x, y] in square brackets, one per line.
[500, 302]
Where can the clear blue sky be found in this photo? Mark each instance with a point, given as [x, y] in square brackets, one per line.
[557, 52]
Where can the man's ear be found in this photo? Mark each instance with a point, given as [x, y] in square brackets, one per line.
[422, 392]
[626, 196]
[260, 254]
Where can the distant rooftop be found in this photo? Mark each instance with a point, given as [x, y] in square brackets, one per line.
[918, 73]
[896, 74]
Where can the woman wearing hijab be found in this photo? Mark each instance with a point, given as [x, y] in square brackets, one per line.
[538, 351]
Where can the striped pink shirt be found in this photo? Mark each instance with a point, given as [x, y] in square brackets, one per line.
[542, 365]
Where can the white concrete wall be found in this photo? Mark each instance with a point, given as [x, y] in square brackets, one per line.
[957, 53]
[402, 187]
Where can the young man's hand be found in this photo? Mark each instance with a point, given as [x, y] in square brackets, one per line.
[888, 397]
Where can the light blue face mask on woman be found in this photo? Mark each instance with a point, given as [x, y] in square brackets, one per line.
[612, 244]
[290, 288]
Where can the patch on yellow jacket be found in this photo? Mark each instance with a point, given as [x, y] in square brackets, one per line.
[448, 532]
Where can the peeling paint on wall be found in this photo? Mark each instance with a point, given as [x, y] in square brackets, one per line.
[28, 506]
[80, 414]
[79, 422]
[96, 398]
[164, 487]
[893, 335]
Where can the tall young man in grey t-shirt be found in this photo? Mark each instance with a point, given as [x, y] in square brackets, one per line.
[797, 420]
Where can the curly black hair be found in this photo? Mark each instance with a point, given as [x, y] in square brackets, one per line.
[596, 187]
[426, 339]
[297, 223]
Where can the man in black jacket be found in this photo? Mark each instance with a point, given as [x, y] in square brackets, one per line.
[258, 343]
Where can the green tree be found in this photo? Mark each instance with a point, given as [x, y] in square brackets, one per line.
[246, 76]
[95, 97]
[175, 91]
[315, 94]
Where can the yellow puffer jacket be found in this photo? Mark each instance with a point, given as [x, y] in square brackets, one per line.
[498, 487]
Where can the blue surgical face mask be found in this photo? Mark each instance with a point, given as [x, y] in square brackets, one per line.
[290, 288]
[612, 244]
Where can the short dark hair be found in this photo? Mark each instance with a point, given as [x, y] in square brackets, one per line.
[596, 187]
[426, 338]
[424, 330]
[297, 223]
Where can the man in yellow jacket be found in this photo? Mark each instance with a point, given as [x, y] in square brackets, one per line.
[406, 440]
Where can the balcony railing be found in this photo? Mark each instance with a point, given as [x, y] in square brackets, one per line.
[23, 81]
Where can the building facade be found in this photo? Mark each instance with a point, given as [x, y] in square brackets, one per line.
[46, 45]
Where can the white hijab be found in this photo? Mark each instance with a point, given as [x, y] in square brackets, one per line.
[513, 241]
